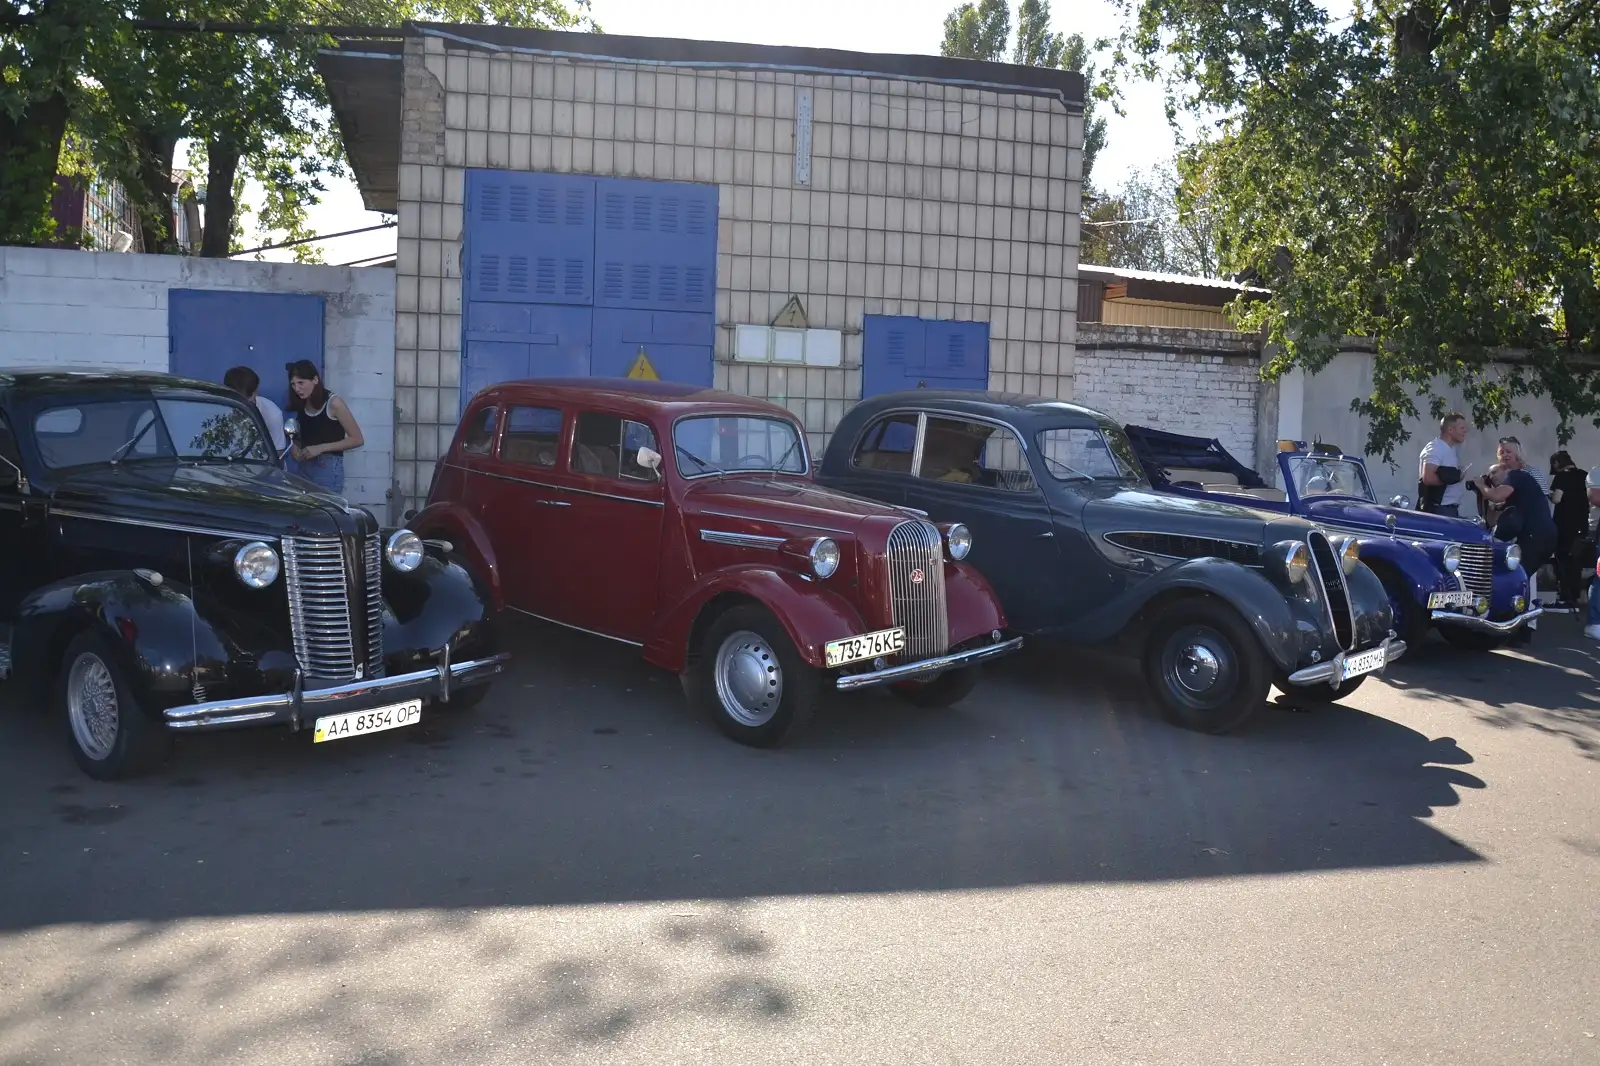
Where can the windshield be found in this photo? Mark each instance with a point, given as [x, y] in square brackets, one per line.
[83, 434]
[718, 444]
[1318, 476]
[1084, 454]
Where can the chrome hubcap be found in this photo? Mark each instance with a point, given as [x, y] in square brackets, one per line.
[749, 678]
[1198, 668]
[92, 706]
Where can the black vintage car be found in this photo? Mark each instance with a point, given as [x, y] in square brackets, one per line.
[162, 573]
[1220, 602]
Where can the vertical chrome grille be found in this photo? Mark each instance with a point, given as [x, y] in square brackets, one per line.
[915, 548]
[1477, 568]
[1330, 575]
[326, 638]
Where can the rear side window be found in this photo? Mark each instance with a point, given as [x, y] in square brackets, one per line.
[975, 453]
[888, 445]
[478, 436]
[608, 446]
[532, 436]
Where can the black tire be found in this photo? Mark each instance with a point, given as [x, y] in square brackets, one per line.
[949, 688]
[110, 734]
[1229, 673]
[768, 692]
[1465, 639]
[1318, 695]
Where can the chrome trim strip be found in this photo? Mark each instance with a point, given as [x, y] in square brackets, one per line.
[920, 447]
[580, 629]
[56, 512]
[790, 522]
[911, 671]
[741, 540]
[555, 488]
[1325, 672]
[1470, 621]
[1162, 555]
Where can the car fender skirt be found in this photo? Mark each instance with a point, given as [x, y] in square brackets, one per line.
[454, 523]
[809, 611]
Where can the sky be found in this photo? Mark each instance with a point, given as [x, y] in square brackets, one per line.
[1136, 141]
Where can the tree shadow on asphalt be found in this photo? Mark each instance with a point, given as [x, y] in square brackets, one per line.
[585, 778]
[1551, 686]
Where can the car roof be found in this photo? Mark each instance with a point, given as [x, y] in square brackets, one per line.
[1005, 406]
[44, 382]
[672, 397]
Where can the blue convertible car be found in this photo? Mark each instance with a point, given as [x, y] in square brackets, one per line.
[1439, 572]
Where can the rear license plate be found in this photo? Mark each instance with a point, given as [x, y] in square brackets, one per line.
[1365, 662]
[866, 646]
[360, 723]
[1462, 598]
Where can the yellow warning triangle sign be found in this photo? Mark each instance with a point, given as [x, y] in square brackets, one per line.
[641, 370]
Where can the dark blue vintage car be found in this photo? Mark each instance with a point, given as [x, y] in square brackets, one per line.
[1448, 573]
[1219, 601]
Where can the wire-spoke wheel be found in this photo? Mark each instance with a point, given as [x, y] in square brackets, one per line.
[92, 705]
[112, 736]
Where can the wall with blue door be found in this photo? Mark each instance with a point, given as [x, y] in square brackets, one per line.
[201, 316]
[571, 275]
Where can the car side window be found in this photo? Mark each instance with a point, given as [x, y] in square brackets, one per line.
[888, 445]
[608, 446]
[975, 453]
[478, 436]
[532, 436]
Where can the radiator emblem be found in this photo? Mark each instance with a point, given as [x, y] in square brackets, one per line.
[917, 577]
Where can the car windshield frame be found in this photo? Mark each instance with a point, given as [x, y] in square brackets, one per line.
[689, 471]
[159, 429]
[1291, 472]
[1127, 461]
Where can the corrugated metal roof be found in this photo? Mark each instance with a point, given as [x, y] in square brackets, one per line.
[1091, 270]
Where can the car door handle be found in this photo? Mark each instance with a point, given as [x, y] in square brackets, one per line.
[1045, 535]
[554, 503]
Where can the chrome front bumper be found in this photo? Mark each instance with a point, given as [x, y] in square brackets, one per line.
[927, 667]
[1472, 621]
[302, 708]
[1332, 671]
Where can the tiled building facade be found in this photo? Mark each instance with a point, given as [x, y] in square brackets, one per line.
[937, 189]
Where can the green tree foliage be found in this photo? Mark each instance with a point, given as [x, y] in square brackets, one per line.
[1424, 174]
[982, 31]
[1157, 220]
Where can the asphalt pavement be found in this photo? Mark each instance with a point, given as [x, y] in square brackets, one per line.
[582, 870]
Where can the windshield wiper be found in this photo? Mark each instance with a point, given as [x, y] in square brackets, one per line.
[116, 456]
[784, 458]
[1070, 470]
[697, 461]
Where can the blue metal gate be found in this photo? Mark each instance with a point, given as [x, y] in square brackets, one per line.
[900, 352]
[209, 331]
[569, 275]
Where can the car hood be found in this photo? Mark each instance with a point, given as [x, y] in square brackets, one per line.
[787, 501]
[1358, 514]
[1121, 509]
[253, 498]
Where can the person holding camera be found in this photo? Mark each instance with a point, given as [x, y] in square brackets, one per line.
[1439, 485]
[1525, 516]
[1588, 555]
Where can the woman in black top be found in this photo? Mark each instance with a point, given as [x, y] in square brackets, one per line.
[327, 428]
[1568, 491]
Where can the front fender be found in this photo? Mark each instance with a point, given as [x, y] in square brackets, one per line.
[437, 603]
[161, 643]
[1414, 566]
[810, 612]
[459, 526]
[1374, 618]
[971, 605]
[1259, 602]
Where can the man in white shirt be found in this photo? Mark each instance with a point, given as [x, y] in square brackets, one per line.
[247, 383]
[1439, 487]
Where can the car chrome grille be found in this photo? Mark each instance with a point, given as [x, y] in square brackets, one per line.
[1330, 575]
[916, 548]
[1477, 568]
[326, 640]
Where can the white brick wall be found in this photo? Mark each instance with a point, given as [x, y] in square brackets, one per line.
[102, 309]
[1202, 382]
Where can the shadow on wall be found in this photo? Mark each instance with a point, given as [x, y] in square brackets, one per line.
[585, 779]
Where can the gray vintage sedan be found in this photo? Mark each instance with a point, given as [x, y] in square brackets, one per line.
[1219, 601]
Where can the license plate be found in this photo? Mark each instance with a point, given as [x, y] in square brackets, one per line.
[1365, 662]
[360, 723]
[866, 646]
[1463, 598]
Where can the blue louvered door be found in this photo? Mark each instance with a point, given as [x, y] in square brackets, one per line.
[901, 352]
[571, 275]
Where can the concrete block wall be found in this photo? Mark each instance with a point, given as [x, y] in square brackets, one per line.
[924, 199]
[1198, 381]
[109, 310]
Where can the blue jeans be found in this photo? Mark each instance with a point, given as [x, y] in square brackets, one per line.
[327, 471]
[1594, 601]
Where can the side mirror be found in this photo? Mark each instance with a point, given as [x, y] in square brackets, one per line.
[1402, 502]
[650, 459]
[291, 427]
[12, 477]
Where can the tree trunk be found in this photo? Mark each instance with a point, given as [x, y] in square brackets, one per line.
[222, 163]
[156, 149]
[30, 149]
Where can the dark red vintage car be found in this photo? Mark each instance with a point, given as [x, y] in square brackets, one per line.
[685, 521]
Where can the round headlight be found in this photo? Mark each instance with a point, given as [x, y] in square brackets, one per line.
[256, 564]
[1349, 553]
[959, 540]
[1513, 556]
[824, 558]
[1296, 560]
[1452, 557]
[404, 550]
